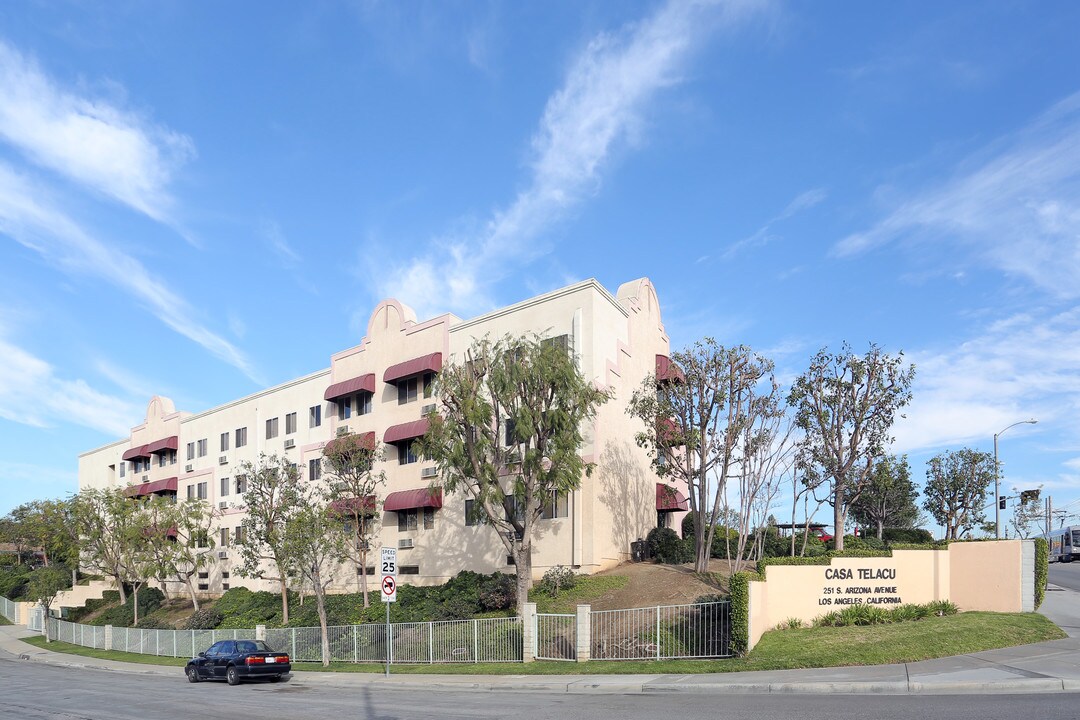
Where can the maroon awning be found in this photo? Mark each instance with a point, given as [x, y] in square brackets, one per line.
[158, 446]
[670, 499]
[409, 499]
[427, 363]
[136, 452]
[364, 440]
[367, 505]
[667, 371]
[364, 383]
[406, 431]
[668, 431]
[151, 488]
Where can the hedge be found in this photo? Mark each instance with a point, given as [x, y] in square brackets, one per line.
[739, 589]
[1042, 569]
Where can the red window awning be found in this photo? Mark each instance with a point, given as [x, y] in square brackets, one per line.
[151, 488]
[406, 431]
[160, 446]
[366, 505]
[136, 452]
[409, 499]
[364, 383]
[426, 363]
[667, 371]
[364, 440]
[668, 431]
[668, 499]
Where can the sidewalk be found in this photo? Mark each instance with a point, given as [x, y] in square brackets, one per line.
[1043, 667]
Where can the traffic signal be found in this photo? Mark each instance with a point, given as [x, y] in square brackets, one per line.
[1001, 502]
[1029, 496]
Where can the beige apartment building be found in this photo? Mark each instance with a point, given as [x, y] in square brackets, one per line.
[383, 386]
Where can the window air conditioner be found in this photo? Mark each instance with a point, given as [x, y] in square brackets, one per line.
[223, 554]
[223, 505]
[145, 478]
[189, 468]
[222, 460]
[290, 443]
[428, 472]
[342, 430]
[427, 409]
[404, 543]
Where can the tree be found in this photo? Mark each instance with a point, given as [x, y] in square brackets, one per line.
[106, 522]
[316, 546]
[955, 491]
[182, 543]
[888, 500]
[349, 461]
[272, 497]
[1027, 512]
[45, 584]
[509, 435]
[846, 404]
[696, 425]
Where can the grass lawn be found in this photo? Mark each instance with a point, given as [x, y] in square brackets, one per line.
[4, 620]
[778, 650]
[586, 589]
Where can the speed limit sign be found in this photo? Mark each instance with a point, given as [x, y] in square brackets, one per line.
[389, 575]
[389, 561]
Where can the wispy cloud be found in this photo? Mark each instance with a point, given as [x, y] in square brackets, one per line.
[1020, 367]
[271, 230]
[32, 394]
[31, 219]
[91, 141]
[600, 104]
[1016, 205]
[23, 482]
[764, 234]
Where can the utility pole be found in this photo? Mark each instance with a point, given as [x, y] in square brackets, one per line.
[1048, 506]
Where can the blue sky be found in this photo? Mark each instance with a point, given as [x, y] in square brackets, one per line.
[203, 199]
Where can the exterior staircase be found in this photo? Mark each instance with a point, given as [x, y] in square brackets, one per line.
[78, 596]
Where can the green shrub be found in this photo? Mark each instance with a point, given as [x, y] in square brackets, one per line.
[152, 622]
[941, 608]
[666, 547]
[914, 536]
[498, 591]
[875, 615]
[556, 579]
[14, 580]
[150, 599]
[739, 587]
[203, 619]
[1042, 570]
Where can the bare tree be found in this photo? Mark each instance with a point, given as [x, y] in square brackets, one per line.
[845, 406]
[768, 457]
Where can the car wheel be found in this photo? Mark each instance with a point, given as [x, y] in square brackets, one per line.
[192, 674]
[276, 678]
[231, 676]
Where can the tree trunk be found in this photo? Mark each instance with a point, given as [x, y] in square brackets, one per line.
[135, 602]
[523, 567]
[838, 518]
[120, 586]
[74, 577]
[320, 605]
[284, 600]
[880, 529]
[363, 576]
[191, 591]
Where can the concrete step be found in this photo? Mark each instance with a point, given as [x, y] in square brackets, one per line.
[79, 595]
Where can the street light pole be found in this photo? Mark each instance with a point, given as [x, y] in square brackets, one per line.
[997, 477]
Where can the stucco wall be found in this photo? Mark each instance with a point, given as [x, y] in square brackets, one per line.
[975, 576]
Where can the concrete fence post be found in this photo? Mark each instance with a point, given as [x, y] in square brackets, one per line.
[528, 633]
[260, 632]
[584, 633]
[108, 637]
[1027, 576]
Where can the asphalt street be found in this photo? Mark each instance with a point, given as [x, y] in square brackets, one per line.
[34, 691]
[1066, 575]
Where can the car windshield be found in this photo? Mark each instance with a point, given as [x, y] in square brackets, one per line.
[249, 646]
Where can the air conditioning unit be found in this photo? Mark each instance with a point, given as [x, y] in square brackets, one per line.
[189, 468]
[404, 543]
[145, 478]
[342, 430]
[290, 443]
[223, 555]
[429, 472]
[223, 460]
[223, 505]
[427, 409]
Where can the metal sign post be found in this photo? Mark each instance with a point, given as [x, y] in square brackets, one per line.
[388, 593]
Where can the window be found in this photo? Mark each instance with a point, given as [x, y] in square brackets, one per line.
[406, 454]
[314, 469]
[510, 437]
[239, 535]
[190, 492]
[202, 540]
[363, 403]
[204, 586]
[241, 485]
[172, 457]
[344, 408]
[429, 384]
[406, 391]
[190, 451]
[473, 514]
[409, 569]
[562, 342]
[201, 491]
[161, 460]
[271, 428]
[290, 423]
[202, 448]
[510, 560]
[224, 443]
[369, 570]
[224, 538]
[406, 520]
[429, 518]
[224, 486]
[315, 416]
[514, 508]
[555, 507]
[241, 437]
[123, 468]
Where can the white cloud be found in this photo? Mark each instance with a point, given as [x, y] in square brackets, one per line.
[24, 482]
[600, 104]
[32, 394]
[1021, 367]
[28, 217]
[764, 234]
[271, 230]
[1016, 205]
[113, 151]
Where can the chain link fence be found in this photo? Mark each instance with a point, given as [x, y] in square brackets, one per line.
[9, 609]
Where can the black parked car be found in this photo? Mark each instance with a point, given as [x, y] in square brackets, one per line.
[236, 660]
